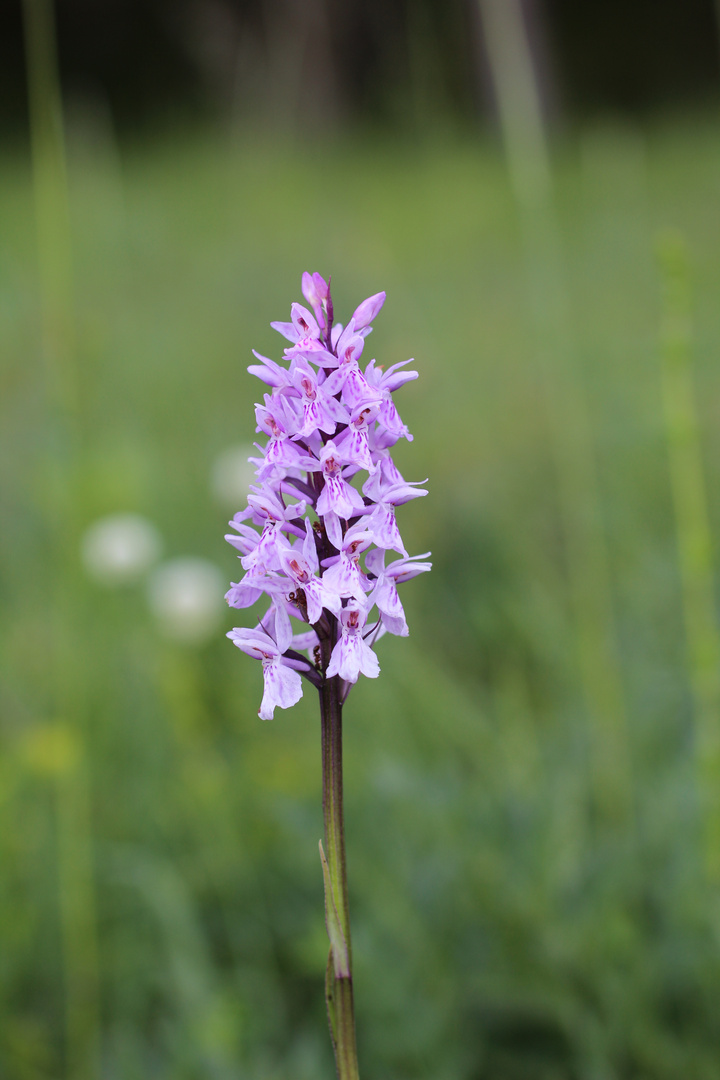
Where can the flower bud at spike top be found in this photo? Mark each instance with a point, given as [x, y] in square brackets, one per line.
[368, 310]
[320, 516]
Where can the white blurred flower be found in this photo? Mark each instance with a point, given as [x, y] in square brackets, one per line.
[117, 550]
[232, 474]
[186, 597]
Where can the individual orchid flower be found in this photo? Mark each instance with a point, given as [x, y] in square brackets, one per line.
[343, 574]
[385, 595]
[282, 682]
[367, 312]
[301, 566]
[337, 496]
[317, 293]
[280, 419]
[385, 383]
[386, 473]
[266, 506]
[352, 655]
[303, 332]
[260, 563]
[381, 522]
[262, 559]
[352, 444]
[321, 412]
[349, 345]
[356, 390]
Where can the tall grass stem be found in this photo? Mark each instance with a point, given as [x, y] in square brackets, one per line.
[52, 212]
[568, 416]
[692, 525]
[76, 892]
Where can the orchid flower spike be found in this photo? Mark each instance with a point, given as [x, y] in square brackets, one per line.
[321, 516]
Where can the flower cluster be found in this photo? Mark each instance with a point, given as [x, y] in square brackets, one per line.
[320, 552]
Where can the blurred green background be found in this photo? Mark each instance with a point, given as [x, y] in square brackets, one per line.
[531, 784]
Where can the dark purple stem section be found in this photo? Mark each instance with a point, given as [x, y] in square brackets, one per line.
[338, 990]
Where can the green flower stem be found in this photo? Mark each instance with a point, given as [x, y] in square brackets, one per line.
[338, 981]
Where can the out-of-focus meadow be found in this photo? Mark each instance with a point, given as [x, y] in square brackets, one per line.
[532, 880]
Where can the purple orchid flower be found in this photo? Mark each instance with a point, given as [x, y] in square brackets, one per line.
[321, 412]
[317, 293]
[366, 312]
[385, 383]
[343, 574]
[381, 522]
[301, 566]
[282, 682]
[337, 496]
[385, 595]
[352, 654]
[325, 420]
